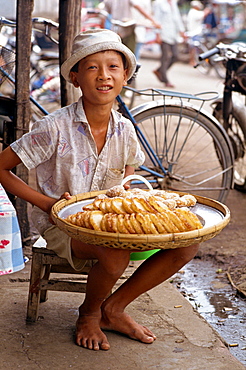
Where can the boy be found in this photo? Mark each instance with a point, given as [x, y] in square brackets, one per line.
[89, 146]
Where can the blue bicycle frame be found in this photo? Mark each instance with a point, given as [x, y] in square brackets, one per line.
[154, 159]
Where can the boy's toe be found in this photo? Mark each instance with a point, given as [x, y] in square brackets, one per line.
[105, 346]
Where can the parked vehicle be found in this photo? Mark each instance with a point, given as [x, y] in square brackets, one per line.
[230, 109]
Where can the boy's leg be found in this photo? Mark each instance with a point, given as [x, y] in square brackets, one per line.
[101, 279]
[155, 270]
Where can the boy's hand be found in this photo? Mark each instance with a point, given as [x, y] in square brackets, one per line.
[127, 185]
[65, 195]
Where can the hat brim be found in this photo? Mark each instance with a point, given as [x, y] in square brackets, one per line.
[96, 48]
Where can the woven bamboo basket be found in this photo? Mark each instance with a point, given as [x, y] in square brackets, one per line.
[140, 242]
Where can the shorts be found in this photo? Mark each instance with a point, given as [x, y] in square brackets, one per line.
[60, 243]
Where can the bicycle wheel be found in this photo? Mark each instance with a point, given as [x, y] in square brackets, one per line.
[45, 85]
[218, 65]
[192, 148]
[203, 66]
[237, 133]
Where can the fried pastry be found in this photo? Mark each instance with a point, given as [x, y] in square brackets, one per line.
[96, 219]
[186, 200]
[117, 205]
[116, 191]
[179, 220]
[128, 224]
[136, 225]
[137, 211]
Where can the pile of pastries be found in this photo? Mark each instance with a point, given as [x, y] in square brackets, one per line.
[137, 211]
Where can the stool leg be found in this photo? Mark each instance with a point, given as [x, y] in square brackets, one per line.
[44, 293]
[34, 288]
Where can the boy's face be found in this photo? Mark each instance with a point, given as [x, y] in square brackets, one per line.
[100, 76]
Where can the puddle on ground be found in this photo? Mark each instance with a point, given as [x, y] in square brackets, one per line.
[210, 292]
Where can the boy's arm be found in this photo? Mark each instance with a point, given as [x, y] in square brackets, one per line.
[17, 187]
[129, 170]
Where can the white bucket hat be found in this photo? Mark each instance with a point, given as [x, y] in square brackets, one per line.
[93, 41]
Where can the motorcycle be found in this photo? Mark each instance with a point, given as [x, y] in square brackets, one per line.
[230, 108]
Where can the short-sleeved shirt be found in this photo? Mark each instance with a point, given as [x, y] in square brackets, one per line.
[168, 15]
[121, 11]
[63, 151]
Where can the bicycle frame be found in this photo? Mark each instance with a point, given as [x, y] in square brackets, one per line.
[154, 159]
[11, 79]
[48, 24]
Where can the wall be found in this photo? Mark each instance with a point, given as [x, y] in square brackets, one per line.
[43, 8]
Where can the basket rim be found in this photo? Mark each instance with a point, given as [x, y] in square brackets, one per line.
[138, 238]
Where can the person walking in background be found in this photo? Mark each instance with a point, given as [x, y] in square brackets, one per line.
[166, 12]
[195, 25]
[121, 10]
[141, 25]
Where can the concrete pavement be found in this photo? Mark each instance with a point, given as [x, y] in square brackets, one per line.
[185, 341]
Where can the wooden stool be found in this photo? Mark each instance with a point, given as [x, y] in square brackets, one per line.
[44, 262]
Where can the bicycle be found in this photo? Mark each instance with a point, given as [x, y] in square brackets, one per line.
[230, 109]
[201, 45]
[45, 74]
[186, 148]
[44, 64]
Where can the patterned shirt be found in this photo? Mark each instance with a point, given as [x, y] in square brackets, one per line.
[63, 151]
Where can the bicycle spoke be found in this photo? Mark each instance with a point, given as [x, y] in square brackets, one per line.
[192, 150]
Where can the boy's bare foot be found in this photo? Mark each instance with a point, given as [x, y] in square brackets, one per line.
[123, 323]
[88, 333]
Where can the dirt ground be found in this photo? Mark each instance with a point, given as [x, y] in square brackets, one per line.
[228, 249]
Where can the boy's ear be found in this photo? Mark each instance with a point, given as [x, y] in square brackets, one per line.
[73, 76]
[125, 77]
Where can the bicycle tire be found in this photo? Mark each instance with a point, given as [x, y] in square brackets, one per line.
[194, 150]
[218, 66]
[37, 83]
[237, 133]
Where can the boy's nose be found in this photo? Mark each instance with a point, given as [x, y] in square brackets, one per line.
[103, 74]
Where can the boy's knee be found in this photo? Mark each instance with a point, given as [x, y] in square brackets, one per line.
[187, 253]
[116, 262]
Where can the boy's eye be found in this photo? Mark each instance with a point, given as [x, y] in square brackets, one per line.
[113, 66]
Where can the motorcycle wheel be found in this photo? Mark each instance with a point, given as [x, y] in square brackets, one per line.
[237, 133]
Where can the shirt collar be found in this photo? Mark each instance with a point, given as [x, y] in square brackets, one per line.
[79, 112]
[81, 117]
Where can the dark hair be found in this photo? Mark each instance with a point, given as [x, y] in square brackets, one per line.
[75, 68]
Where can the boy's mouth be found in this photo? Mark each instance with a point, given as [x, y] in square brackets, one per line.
[104, 88]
